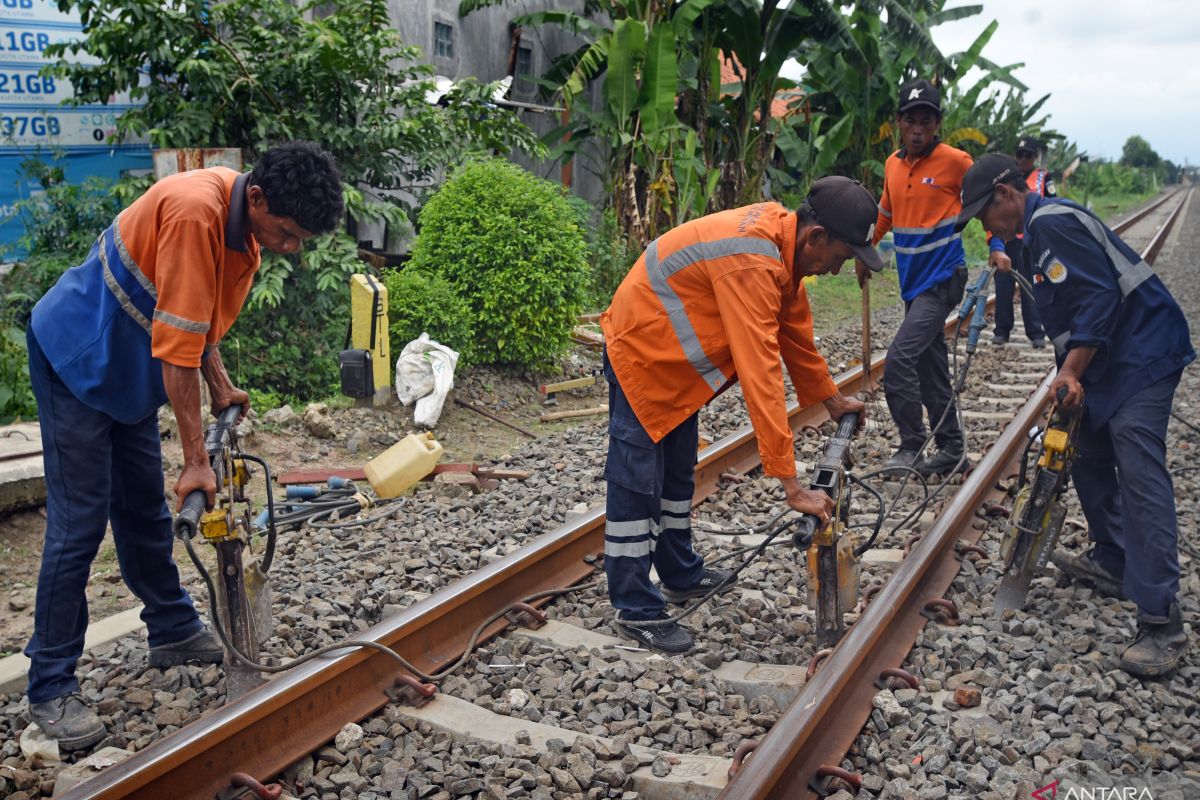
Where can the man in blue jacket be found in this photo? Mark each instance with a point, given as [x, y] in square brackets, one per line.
[1121, 339]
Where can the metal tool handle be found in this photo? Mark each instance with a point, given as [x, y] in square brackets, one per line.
[188, 521]
[847, 425]
[806, 529]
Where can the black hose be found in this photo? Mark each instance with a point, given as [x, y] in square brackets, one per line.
[269, 554]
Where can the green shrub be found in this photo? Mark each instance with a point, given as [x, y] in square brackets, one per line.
[510, 245]
[419, 303]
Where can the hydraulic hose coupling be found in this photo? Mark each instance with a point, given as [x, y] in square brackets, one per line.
[974, 306]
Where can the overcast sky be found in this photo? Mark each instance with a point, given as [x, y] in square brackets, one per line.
[1113, 68]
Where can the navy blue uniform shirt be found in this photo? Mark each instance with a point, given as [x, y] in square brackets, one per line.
[1093, 290]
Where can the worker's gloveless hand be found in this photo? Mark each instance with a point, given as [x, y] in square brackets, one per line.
[810, 501]
[862, 272]
[1067, 378]
[840, 405]
[999, 260]
[196, 476]
[232, 396]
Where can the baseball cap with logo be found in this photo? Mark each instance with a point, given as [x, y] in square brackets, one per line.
[847, 210]
[919, 93]
[981, 180]
[1028, 144]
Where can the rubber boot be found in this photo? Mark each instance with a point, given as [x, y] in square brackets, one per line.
[1158, 648]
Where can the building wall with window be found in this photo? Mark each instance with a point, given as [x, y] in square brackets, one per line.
[479, 46]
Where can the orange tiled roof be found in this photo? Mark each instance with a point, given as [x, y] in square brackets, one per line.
[731, 77]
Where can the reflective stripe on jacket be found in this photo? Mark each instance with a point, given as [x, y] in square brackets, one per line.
[921, 201]
[712, 300]
[1093, 290]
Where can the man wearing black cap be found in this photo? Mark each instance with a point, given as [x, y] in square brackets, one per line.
[715, 300]
[1120, 338]
[1038, 181]
[920, 204]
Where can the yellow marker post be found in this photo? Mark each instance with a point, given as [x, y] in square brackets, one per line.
[363, 289]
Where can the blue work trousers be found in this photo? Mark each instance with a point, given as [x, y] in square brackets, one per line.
[1121, 476]
[649, 505]
[97, 471]
[1005, 287]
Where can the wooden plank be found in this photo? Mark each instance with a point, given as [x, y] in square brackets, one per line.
[562, 386]
[319, 475]
[579, 412]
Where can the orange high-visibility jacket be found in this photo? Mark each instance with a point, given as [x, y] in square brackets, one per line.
[714, 297]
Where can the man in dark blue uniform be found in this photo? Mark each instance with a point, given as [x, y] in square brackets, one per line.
[1038, 181]
[1120, 338]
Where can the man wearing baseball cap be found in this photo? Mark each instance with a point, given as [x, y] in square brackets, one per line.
[1122, 342]
[920, 203]
[716, 300]
[1038, 181]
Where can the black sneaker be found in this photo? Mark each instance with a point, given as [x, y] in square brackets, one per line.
[903, 458]
[946, 462]
[69, 721]
[720, 579]
[670, 639]
[201, 647]
[1084, 568]
[1158, 647]
[999, 339]
[1037, 343]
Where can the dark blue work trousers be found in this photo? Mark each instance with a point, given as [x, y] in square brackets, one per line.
[1005, 287]
[97, 470]
[649, 505]
[1121, 476]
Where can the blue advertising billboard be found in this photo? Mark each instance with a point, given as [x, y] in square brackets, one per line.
[34, 124]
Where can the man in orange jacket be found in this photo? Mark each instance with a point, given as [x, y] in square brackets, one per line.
[715, 300]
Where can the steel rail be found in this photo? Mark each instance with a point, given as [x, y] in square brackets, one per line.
[821, 724]
[265, 731]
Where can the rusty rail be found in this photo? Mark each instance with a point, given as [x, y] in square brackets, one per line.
[265, 731]
[820, 725]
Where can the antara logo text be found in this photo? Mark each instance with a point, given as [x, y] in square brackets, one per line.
[1050, 792]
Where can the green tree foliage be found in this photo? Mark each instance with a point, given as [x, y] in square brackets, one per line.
[1137, 152]
[422, 302]
[251, 73]
[510, 245]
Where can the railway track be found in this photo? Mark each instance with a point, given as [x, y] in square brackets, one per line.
[267, 731]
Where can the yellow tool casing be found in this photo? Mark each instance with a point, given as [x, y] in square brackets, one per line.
[362, 305]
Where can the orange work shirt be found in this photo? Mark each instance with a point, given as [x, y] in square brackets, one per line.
[715, 298]
[189, 236]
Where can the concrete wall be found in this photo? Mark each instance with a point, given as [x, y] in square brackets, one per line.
[481, 50]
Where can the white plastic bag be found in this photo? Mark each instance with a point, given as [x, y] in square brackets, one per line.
[425, 373]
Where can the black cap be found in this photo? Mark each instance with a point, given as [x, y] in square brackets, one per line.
[1029, 143]
[847, 210]
[981, 180]
[920, 93]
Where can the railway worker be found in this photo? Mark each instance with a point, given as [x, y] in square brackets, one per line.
[1038, 180]
[1121, 340]
[715, 300]
[919, 205]
[137, 324]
